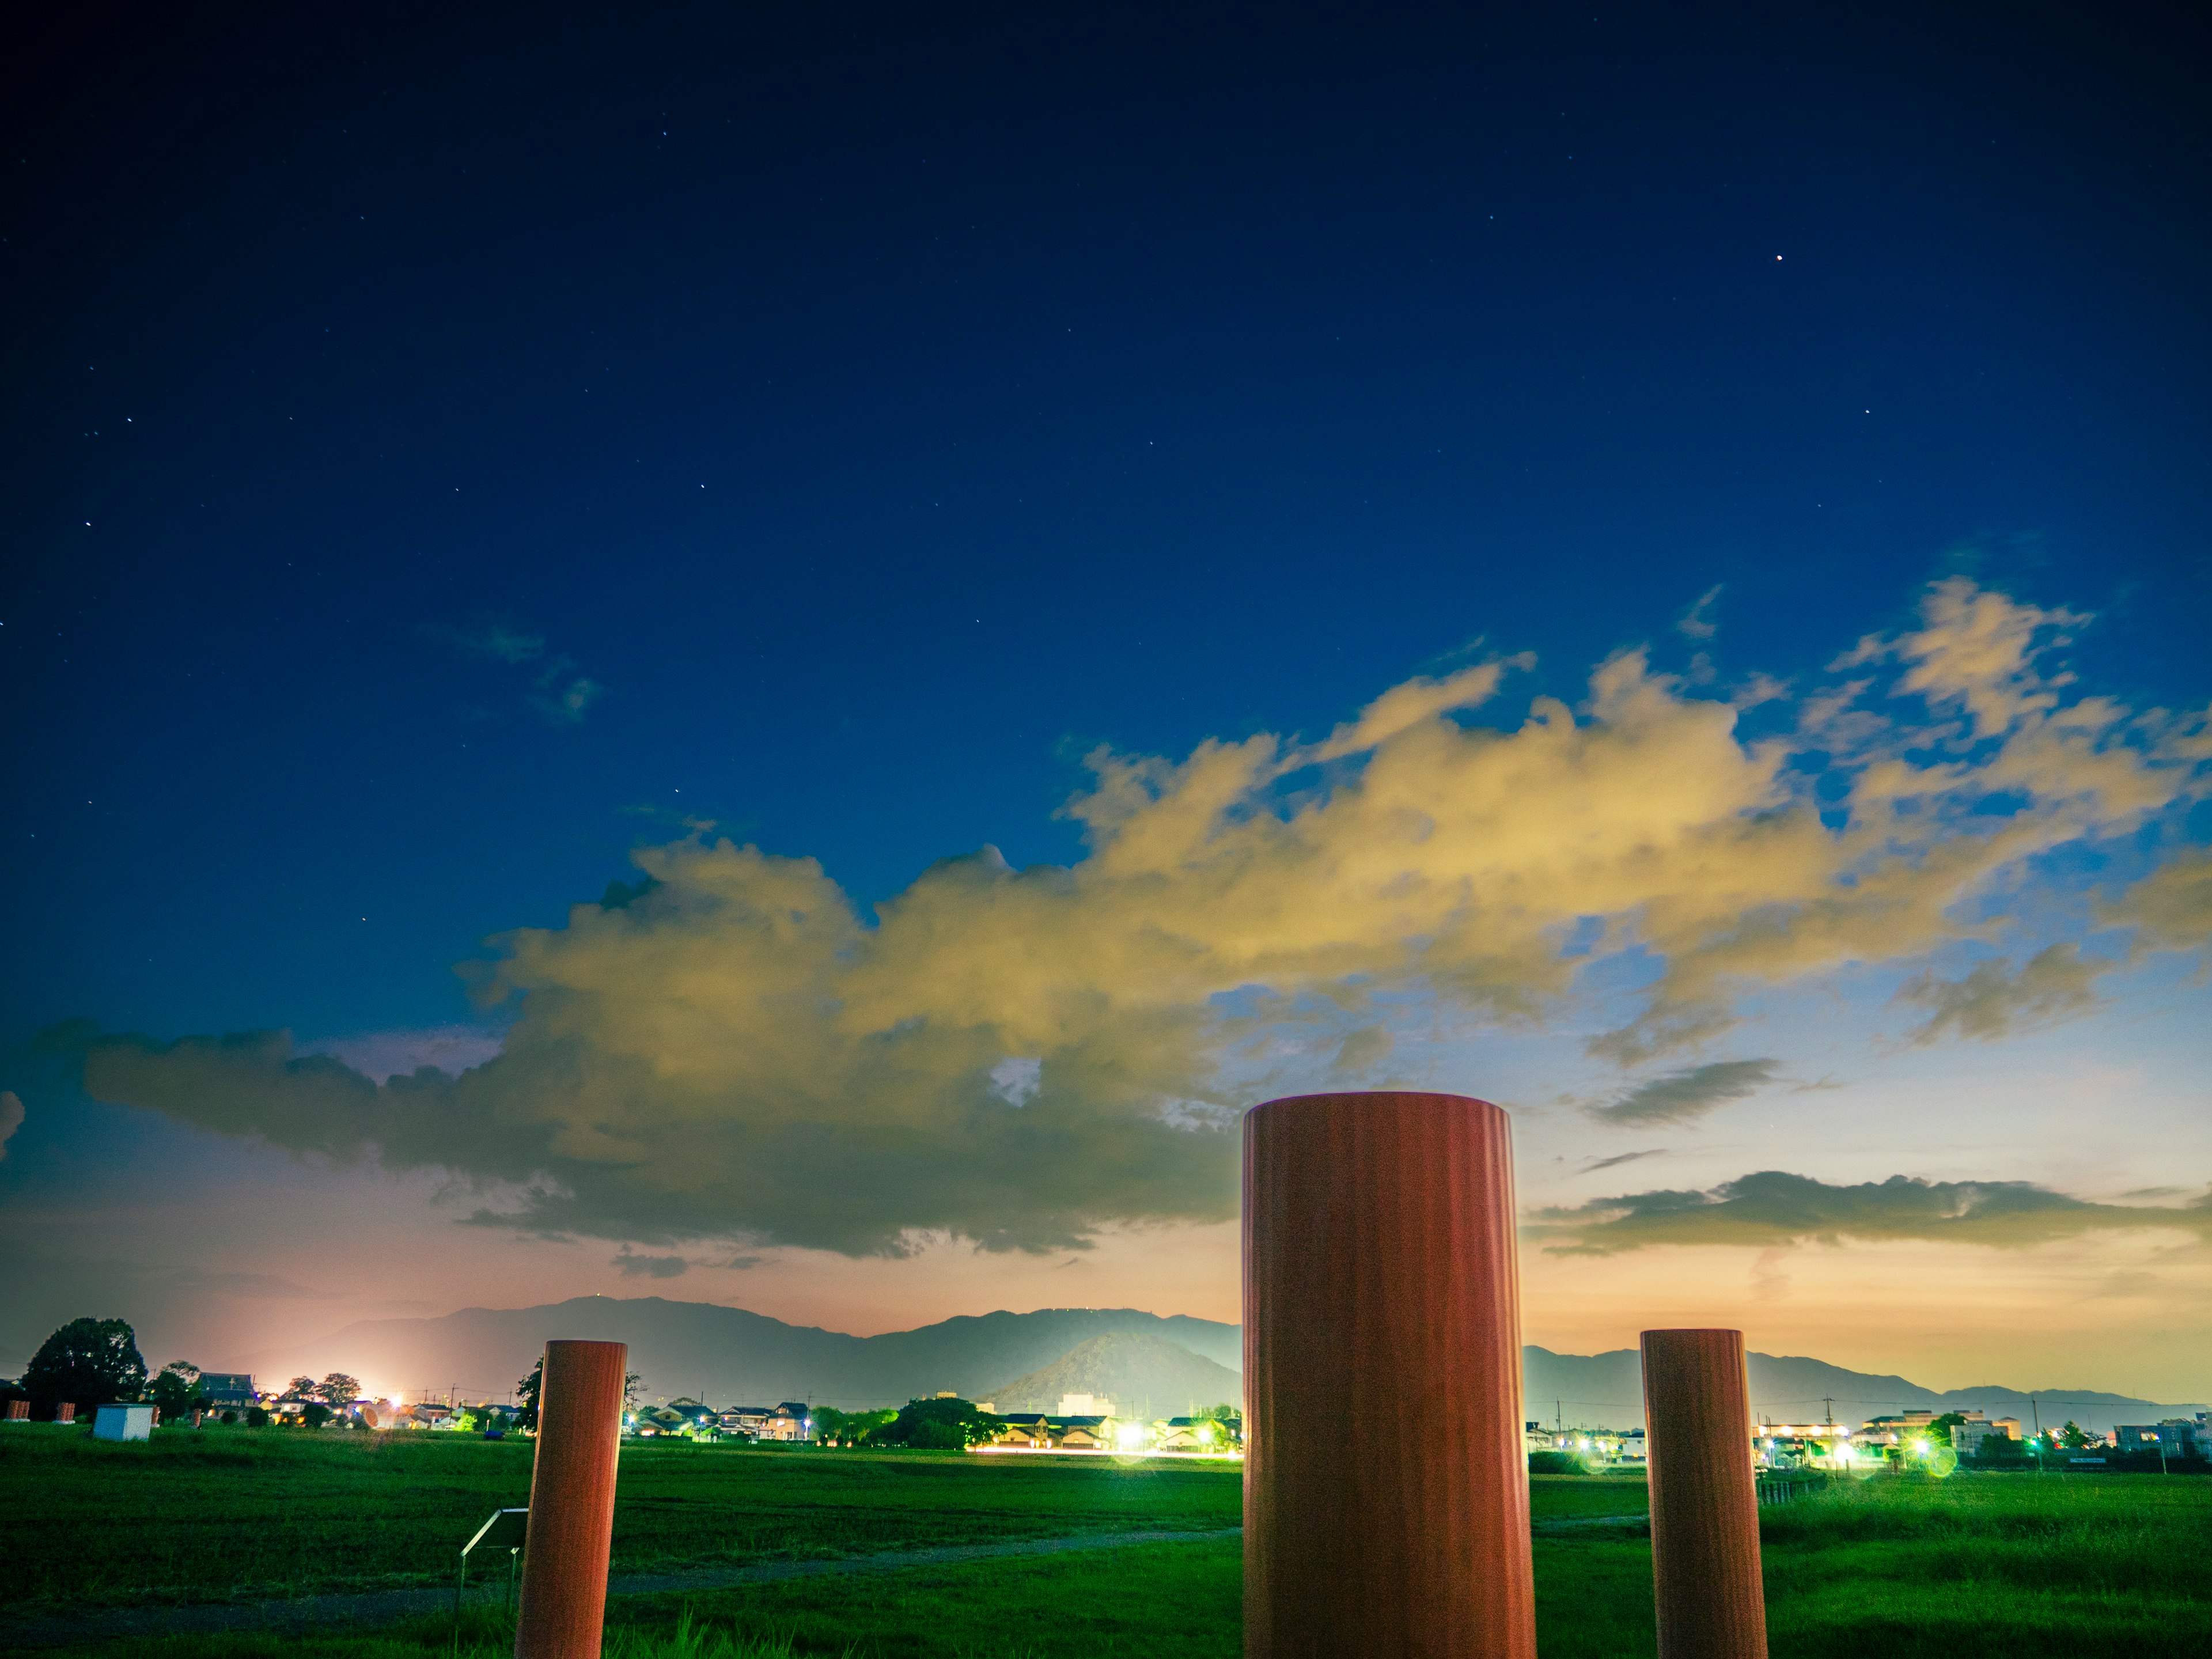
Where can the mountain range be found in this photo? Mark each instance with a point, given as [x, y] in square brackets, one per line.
[1143, 1376]
[728, 1355]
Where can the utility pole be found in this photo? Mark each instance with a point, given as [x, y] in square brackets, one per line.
[1558, 1415]
[1829, 1401]
[2036, 1411]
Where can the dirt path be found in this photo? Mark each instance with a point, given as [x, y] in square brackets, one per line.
[307, 1612]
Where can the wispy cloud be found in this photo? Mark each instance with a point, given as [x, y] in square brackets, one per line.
[560, 691]
[500, 641]
[1019, 1057]
[2053, 985]
[1697, 622]
[1683, 1097]
[1773, 1209]
[650, 1267]
[1618, 1159]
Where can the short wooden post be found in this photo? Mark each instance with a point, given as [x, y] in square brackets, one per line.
[1386, 1488]
[571, 1502]
[1705, 1497]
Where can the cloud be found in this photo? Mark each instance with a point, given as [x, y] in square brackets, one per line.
[559, 692]
[1685, 1095]
[1772, 1209]
[737, 1052]
[2053, 985]
[2171, 910]
[651, 1266]
[563, 697]
[501, 642]
[11, 1118]
[1697, 622]
[1618, 1159]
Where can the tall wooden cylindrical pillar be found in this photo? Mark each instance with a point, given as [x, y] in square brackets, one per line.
[1386, 1487]
[571, 1502]
[1705, 1499]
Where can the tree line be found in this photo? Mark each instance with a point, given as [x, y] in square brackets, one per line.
[96, 1361]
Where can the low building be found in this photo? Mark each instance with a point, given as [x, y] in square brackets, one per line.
[1972, 1439]
[2176, 1436]
[123, 1423]
[227, 1390]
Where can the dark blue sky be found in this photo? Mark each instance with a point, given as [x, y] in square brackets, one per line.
[867, 415]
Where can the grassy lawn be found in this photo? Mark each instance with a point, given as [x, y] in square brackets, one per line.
[1976, 1565]
[240, 1513]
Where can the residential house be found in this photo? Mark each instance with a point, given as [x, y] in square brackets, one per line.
[1193, 1434]
[791, 1420]
[1086, 1432]
[227, 1390]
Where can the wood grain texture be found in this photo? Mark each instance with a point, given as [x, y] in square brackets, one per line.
[1386, 1489]
[571, 1502]
[1704, 1501]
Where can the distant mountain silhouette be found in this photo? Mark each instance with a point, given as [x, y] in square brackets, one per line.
[728, 1356]
[1606, 1390]
[1145, 1375]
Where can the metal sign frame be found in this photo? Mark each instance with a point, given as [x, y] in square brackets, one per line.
[508, 1529]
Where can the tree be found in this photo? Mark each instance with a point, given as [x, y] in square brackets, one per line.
[300, 1387]
[2072, 1436]
[934, 1426]
[337, 1389]
[88, 1362]
[1939, 1429]
[316, 1415]
[833, 1427]
[526, 1396]
[176, 1389]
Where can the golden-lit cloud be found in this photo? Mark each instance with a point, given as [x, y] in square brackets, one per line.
[731, 1049]
[1771, 1209]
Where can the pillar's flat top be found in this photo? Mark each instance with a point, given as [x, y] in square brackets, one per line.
[1694, 1330]
[1376, 1095]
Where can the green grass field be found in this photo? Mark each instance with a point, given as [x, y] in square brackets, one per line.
[247, 1514]
[1980, 1564]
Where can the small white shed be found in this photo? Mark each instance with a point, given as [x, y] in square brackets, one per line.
[123, 1423]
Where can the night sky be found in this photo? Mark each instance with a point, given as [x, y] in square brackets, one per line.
[446, 456]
